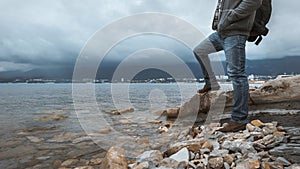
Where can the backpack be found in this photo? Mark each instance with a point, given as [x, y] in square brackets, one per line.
[262, 17]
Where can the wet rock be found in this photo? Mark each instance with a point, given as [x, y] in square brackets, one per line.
[119, 112]
[125, 121]
[172, 112]
[64, 137]
[19, 151]
[152, 156]
[114, 159]
[105, 131]
[181, 156]
[52, 118]
[81, 139]
[69, 163]
[216, 162]
[34, 139]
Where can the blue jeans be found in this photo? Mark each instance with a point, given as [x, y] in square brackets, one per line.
[234, 48]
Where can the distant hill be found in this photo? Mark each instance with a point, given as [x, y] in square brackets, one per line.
[288, 65]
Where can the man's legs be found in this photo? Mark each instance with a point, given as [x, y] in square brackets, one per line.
[234, 48]
[209, 45]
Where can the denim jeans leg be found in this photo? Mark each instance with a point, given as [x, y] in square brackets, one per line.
[209, 45]
[234, 48]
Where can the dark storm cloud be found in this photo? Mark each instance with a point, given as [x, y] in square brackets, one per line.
[36, 33]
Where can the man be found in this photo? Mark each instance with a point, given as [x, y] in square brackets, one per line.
[233, 21]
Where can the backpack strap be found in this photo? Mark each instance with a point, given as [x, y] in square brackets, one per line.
[258, 40]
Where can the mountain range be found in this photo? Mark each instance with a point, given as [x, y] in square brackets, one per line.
[270, 67]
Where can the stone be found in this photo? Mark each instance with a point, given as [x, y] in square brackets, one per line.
[249, 164]
[43, 158]
[226, 165]
[81, 139]
[254, 163]
[283, 161]
[172, 112]
[125, 121]
[152, 156]
[250, 127]
[295, 166]
[257, 123]
[95, 161]
[53, 118]
[114, 159]
[143, 165]
[105, 131]
[239, 146]
[64, 137]
[228, 158]
[162, 129]
[181, 156]
[119, 112]
[192, 155]
[272, 165]
[169, 163]
[192, 165]
[216, 162]
[243, 165]
[207, 145]
[84, 167]
[69, 163]
[56, 163]
[193, 145]
[218, 153]
[34, 139]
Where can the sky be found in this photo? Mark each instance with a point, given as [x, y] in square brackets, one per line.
[37, 33]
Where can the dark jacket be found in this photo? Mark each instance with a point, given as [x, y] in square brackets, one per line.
[236, 17]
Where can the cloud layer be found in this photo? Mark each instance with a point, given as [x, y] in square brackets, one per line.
[34, 33]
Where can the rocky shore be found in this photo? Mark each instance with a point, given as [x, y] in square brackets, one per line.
[261, 145]
[270, 141]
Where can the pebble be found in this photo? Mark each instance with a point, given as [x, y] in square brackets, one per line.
[181, 156]
[257, 123]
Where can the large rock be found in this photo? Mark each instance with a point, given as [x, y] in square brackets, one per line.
[277, 93]
[114, 159]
